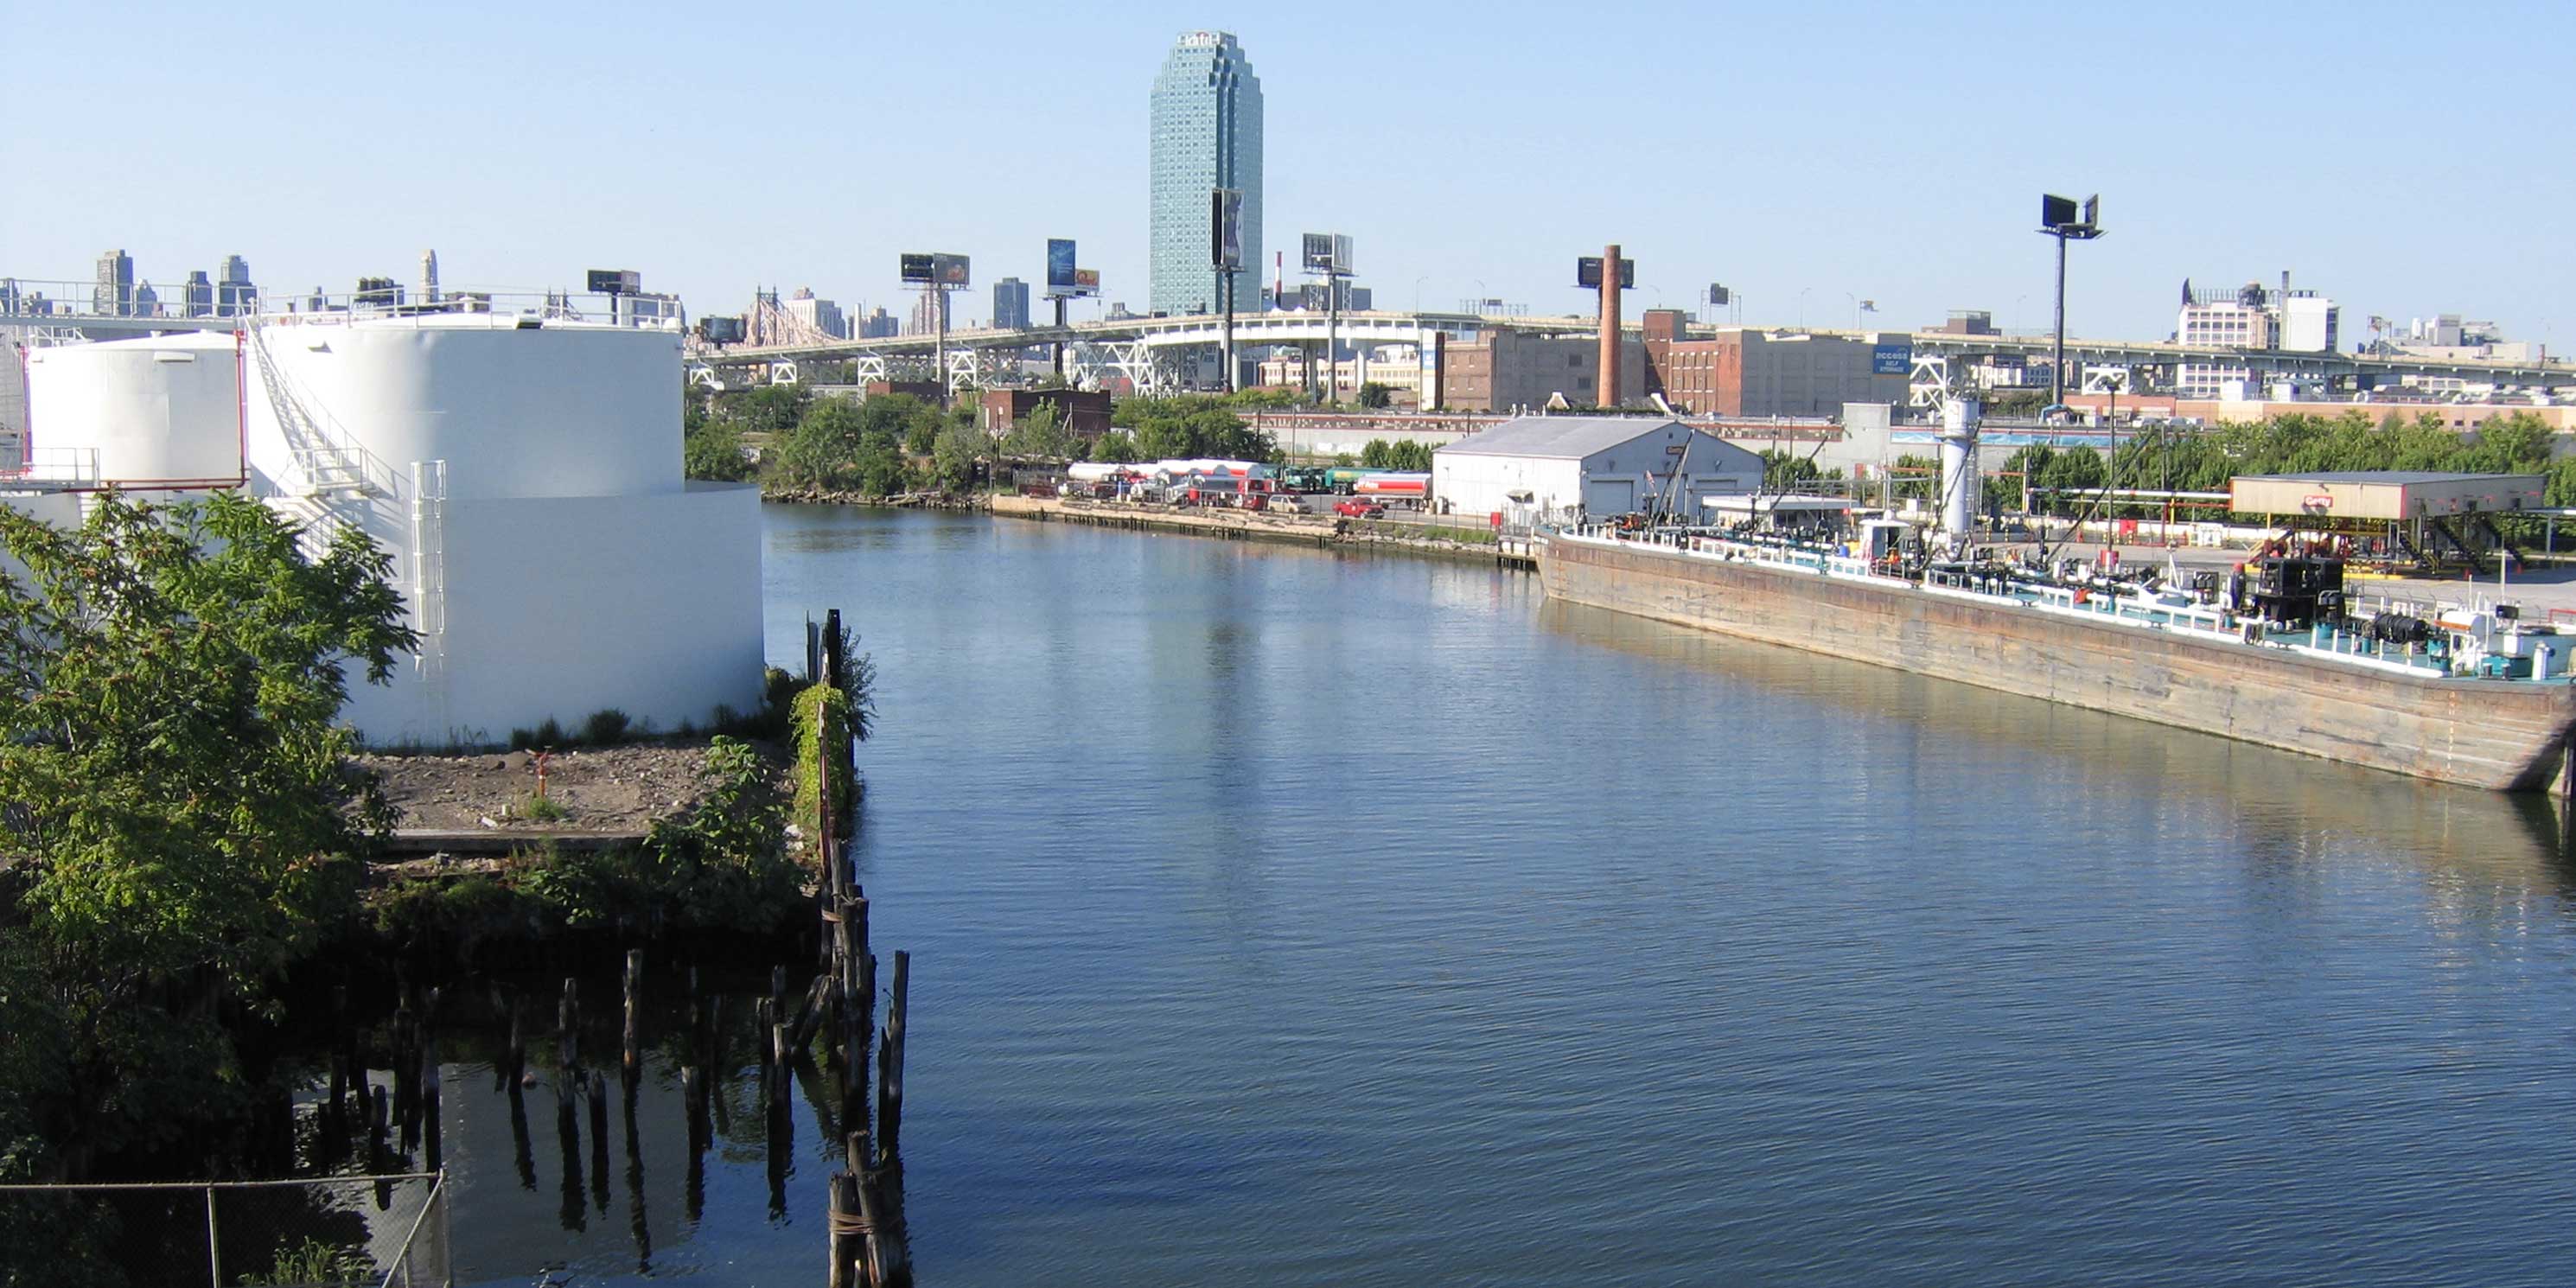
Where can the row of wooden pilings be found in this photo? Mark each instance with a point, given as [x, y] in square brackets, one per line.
[865, 1225]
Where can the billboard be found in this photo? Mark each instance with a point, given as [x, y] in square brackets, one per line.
[1225, 228]
[1059, 278]
[1587, 273]
[1086, 281]
[615, 281]
[949, 270]
[1891, 360]
[918, 270]
[2056, 211]
[1327, 253]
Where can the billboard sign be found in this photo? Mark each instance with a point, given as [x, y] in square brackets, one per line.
[951, 269]
[1587, 273]
[1086, 281]
[1891, 360]
[918, 270]
[2056, 211]
[615, 281]
[1225, 228]
[1327, 253]
[1059, 278]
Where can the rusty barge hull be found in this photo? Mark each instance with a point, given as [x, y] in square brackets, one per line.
[2497, 735]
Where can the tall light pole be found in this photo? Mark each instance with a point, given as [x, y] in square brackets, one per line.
[1802, 306]
[1417, 291]
[2058, 219]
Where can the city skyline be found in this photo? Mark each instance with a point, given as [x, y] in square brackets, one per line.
[1472, 164]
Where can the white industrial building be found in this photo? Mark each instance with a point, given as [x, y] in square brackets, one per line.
[525, 472]
[1599, 465]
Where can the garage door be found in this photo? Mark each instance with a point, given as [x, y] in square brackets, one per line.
[1605, 497]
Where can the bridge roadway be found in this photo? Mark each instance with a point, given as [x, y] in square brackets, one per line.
[1139, 346]
[1136, 335]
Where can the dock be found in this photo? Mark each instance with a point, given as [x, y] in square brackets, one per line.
[1319, 532]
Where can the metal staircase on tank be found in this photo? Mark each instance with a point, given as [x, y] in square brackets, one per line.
[333, 485]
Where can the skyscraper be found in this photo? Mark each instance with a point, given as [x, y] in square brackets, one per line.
[1011, 304]
[1206, 135]
[429, 277]
[114, 295]
[200, 296]
[234, 293]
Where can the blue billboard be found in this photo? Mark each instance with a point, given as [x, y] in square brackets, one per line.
[1059, 278]
[1891, 360]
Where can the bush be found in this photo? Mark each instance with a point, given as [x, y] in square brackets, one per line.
[605, 728]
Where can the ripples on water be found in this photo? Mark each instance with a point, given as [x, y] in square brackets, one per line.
[1281, 917]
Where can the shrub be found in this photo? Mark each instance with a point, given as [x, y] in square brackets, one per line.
[605, 728]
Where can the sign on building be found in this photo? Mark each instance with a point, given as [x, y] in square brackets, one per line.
[615, 281]
[1891, 360]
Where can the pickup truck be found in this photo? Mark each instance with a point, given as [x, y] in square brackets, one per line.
[1359, 509]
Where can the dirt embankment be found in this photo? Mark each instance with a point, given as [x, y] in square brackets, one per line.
[598, 789]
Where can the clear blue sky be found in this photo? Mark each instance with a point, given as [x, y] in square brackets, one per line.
[2406, 159]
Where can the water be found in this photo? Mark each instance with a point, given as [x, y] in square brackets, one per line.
[1284, 917]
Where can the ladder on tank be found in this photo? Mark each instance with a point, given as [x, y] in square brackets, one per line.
[331, 482]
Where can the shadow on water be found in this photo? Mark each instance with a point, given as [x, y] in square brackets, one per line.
[2279, 795]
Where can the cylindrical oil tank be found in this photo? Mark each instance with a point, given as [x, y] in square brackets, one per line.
[158, 412]
[515, 408]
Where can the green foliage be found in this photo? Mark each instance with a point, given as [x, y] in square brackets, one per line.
[605, 727]
[722, 866]
[1117, 447]
[543, 809]
[821, 721]
[177, 799]
[1917, 476]
[1784, 470]
[1040, 433]
[1404, 454]
[1374, 395]
[167, 740]
[953, 456]
[1191, 425]
[316, 1262]
[713, 450]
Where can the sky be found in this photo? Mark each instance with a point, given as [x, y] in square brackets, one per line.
[2405, 159]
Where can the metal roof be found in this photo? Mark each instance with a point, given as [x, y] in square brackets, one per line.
[2392, 478]
[1566, 437]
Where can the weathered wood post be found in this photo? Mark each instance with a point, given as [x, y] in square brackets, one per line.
[429, 1125]
[890, 1063]
[633, 1044]
[599, 1139]
[568, 1044]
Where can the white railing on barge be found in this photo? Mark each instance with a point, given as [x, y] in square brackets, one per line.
[2132, 611]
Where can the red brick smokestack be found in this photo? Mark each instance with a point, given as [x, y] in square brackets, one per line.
[1609, 382]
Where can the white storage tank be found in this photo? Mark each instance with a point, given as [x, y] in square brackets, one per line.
[516, 408]
[156, 413]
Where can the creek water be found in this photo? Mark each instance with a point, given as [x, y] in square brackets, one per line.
[1290, 917]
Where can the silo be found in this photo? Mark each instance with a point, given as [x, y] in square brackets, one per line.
[162, 413]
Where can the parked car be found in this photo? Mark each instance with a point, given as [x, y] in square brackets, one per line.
[1359, 509]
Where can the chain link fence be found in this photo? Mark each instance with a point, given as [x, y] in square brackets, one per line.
[340, 1231]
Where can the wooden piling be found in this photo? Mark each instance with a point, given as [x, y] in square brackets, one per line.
[568, 1043]
[890, 1063]
[846, 1236]
[429, 1120]
[633, 1044]
[599, 1139]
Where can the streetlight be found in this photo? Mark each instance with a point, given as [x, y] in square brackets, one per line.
[2057, 218]
[1417, 291]
[1802, 306]
[1480, 297]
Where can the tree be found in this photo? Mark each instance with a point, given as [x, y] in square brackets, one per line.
[1117, 447]
[1037, 434]
[953, 455]
[176, 790]
[823, 446]
[1373, 395]
[714, 451]
[1374, 455]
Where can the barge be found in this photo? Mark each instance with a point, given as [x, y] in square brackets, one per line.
[2468, 695]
